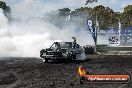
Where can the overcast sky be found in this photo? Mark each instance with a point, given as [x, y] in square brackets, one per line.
[116, 5]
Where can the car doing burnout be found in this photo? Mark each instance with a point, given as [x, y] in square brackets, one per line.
[63, 50]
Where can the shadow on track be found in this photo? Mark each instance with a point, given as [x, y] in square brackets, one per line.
[66, 62]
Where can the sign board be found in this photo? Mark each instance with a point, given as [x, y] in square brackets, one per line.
[114, 40]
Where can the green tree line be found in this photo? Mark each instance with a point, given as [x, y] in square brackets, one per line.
[106, 16]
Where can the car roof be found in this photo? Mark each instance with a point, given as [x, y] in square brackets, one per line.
[64, 42]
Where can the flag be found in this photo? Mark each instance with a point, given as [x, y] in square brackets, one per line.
[68, 17]
[119, 23]
[92, 30]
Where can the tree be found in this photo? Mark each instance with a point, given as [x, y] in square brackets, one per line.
[6, 9]
[64, 11]
[127, 16]
[105, 15]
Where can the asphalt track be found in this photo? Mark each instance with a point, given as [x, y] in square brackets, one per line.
[33, 73]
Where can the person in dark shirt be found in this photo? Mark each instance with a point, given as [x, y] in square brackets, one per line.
[74, 42]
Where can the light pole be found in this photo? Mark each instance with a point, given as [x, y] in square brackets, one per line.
[97, 27]
[119, 28]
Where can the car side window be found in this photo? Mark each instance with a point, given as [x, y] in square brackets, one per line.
[77, 46]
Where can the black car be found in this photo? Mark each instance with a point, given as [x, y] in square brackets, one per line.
[63, 50]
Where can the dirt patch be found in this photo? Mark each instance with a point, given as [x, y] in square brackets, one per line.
[7, 79]
[32, 73]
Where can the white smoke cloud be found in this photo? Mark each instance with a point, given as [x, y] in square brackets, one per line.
[27, 37]
[3, 24]
[30, 8]
[2, 0]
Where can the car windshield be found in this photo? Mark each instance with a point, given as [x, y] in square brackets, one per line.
[62, 45]
[65, 45]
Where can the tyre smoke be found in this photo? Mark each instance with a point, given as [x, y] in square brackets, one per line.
[30, 31]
